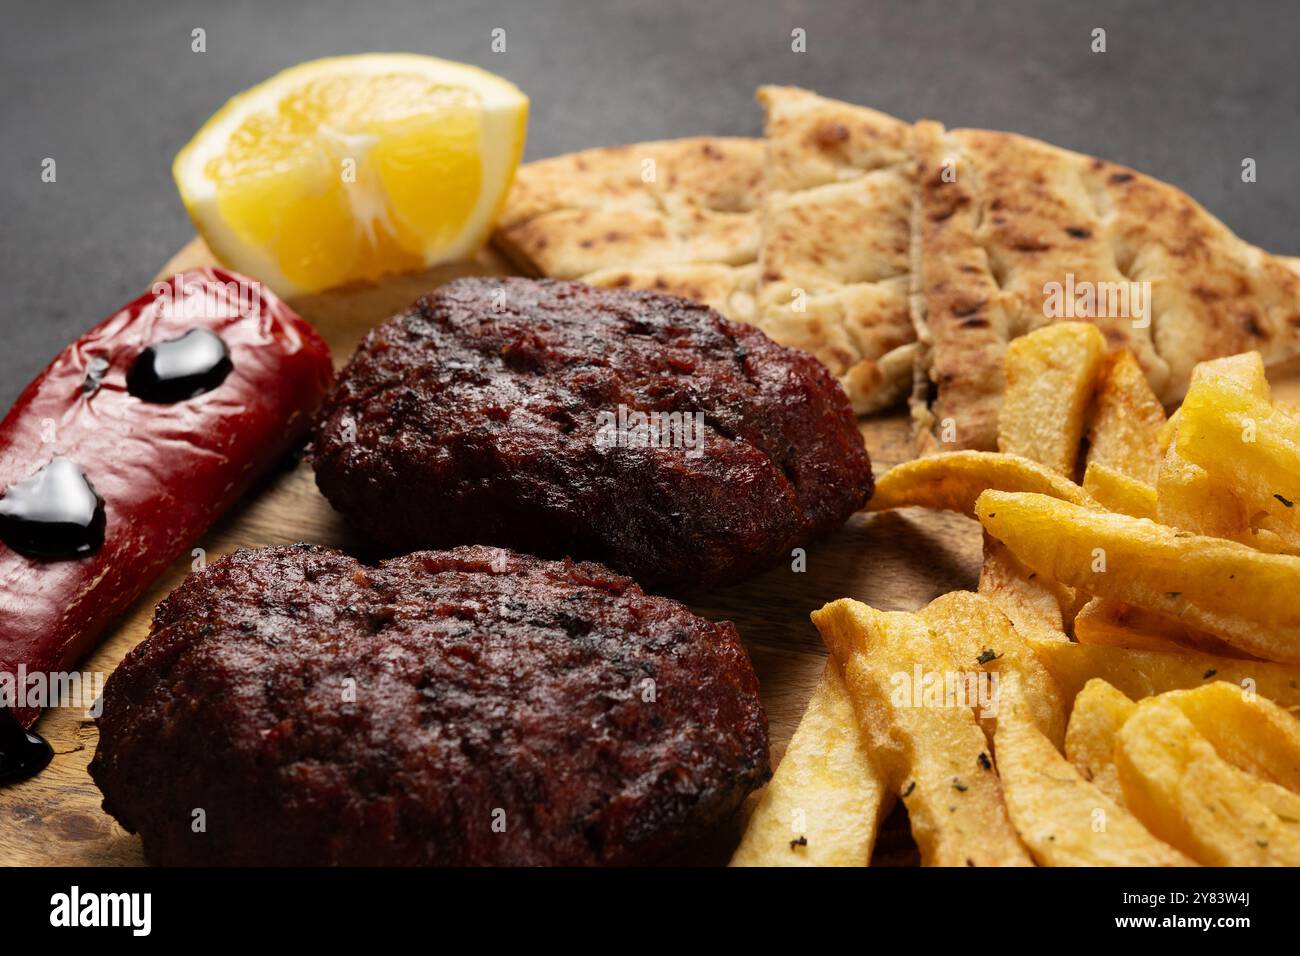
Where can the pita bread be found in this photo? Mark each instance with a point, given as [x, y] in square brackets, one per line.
[657, 205]
[833, 265]
[1005, 226]
[727, 289]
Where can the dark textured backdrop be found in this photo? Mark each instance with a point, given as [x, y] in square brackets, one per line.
[112, 90]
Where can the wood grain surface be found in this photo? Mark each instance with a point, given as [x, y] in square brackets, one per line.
[896, 561]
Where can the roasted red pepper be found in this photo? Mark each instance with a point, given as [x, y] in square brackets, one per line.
[131, 443]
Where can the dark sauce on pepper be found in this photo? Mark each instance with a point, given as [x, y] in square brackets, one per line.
[179, 368]
[22, 753]
[55, 513]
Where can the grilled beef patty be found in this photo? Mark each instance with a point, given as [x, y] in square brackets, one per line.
[472, 706]
[506, 411]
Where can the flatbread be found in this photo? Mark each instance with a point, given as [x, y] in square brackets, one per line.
[833, 265]
[1004, 226]
[727, 289]
[671, 203]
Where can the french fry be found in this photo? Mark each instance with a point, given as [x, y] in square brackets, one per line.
[1191, 499]
[953, 480]
[1251, 446]
[1031, 601]
[1124, 434]
[824, 804]
[1116, 491]
[1139, 673]
[1063, 818]
[1245, 369]
[1187, 795]
[1051, 375]
[1188, 499]
[981, 638]
[1172, 565]
[1223, 588]
[1100, 621]
[1106, 621]
[932, 752]
[1099, 711]
[1247, 730]
[1280, 800]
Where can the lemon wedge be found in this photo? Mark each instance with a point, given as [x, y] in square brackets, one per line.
[349, 168]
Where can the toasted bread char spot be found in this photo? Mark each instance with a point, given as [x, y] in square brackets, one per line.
[829, 135]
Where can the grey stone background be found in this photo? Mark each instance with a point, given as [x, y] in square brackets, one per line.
[112, 90]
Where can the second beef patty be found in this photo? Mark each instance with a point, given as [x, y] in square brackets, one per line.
[464, 707]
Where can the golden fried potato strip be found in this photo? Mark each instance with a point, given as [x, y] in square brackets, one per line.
[953, 480]
[1245, 370]
[1116, 491]
[1247, 730]
[1248, 445]
[982, 638]
[1051, 375]
[1142, 673]
[1032, 602]
[824, 804]
[1190, 499]
[1064, 819]
[1126, 419]
[1099, 711]
[930, 748]
[1226, 589]
[1106, 621]
[1185, 793]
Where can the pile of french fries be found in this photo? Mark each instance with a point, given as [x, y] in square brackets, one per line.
[1122, 689]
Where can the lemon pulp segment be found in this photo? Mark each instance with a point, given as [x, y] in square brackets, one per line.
[354, 167]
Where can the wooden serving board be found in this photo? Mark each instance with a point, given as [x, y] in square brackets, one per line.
[897, 561]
